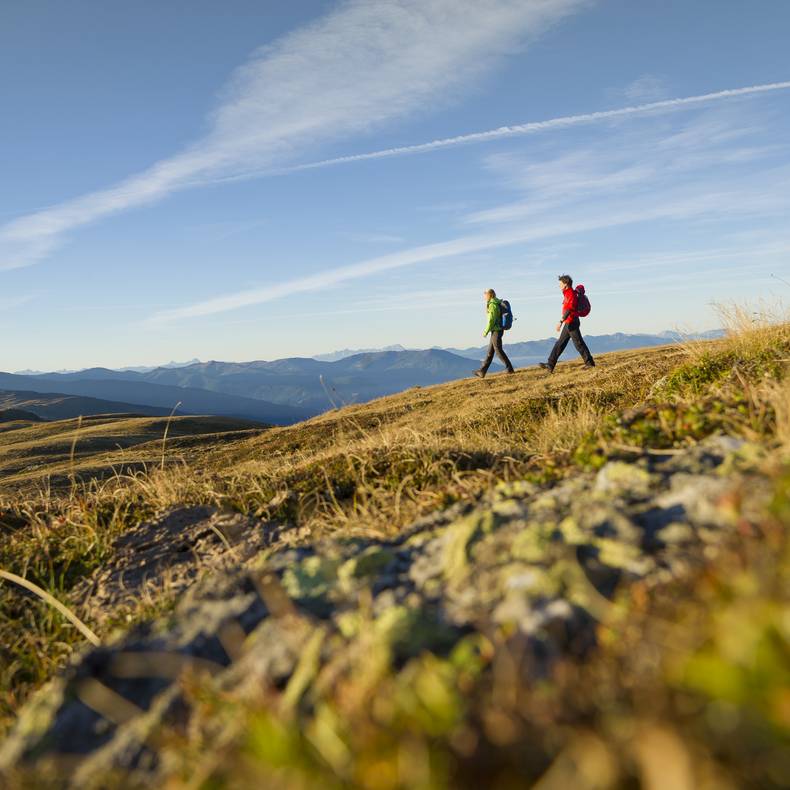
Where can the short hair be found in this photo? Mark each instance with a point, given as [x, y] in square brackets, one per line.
[491, 292]
[566, 280]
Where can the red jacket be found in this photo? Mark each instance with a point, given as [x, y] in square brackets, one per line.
[568, 306]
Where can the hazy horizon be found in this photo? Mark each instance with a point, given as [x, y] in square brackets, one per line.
[323, 356]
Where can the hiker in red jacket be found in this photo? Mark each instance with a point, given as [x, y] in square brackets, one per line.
[569, 326]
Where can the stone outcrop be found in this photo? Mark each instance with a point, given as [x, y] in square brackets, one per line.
[543, 563]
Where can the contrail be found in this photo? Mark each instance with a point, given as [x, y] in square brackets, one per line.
[541, 126]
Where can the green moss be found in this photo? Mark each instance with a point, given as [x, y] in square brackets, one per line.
[589, 454]
[696, 377]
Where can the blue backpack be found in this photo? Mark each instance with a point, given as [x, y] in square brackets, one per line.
[506, 314]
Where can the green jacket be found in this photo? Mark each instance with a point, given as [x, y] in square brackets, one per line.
[494, 316]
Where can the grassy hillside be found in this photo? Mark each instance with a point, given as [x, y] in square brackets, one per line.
[56, 406]
[17, 416]
[579, 579]
[55, 452]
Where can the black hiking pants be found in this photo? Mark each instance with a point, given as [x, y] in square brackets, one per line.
[495, 347]
[570, 332]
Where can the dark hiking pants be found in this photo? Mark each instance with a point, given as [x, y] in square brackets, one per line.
[495, 347]
[570, 332]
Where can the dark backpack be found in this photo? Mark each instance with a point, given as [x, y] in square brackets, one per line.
[505, 314]
[583, 306]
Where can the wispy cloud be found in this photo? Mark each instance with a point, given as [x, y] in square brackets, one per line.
[640, 161]
[349, 72]
[671, 207]
[692, 172]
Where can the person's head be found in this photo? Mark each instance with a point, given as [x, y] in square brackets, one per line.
[566, 281]
[489, 294]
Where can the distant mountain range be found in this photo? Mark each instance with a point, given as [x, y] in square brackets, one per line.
[533, 351]
[318, 385]
[282, 391]
[136, 369]
[334, 356]
[131, 391]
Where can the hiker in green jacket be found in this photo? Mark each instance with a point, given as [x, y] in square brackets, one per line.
[494, 329]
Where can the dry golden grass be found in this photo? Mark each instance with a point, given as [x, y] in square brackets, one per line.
[368, 468]
[750, 331]
[47, 452]
[375, 466]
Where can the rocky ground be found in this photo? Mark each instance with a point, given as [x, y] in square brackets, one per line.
[539, 566]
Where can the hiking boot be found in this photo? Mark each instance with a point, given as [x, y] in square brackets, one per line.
[511, 372]
[480, 374]
[589, 364]
[546, 366]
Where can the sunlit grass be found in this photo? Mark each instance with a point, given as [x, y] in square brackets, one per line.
[664, 692]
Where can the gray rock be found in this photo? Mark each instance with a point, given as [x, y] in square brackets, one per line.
[534, 564]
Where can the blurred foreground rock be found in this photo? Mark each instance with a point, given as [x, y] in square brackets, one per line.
[537, 564]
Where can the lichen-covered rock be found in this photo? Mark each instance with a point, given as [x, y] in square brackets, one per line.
[311, 577]
[541, 565]
[618, 478]
[161, 558]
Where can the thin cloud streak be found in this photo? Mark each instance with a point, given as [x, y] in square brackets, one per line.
[542, 126]
[674, 208]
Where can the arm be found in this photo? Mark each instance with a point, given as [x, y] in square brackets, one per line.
[492, 319]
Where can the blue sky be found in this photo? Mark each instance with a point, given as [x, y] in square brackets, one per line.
[156, 203]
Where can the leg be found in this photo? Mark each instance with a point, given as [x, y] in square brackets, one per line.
[581, 346]
[490, 355]
[559, 346]
[496, 339]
